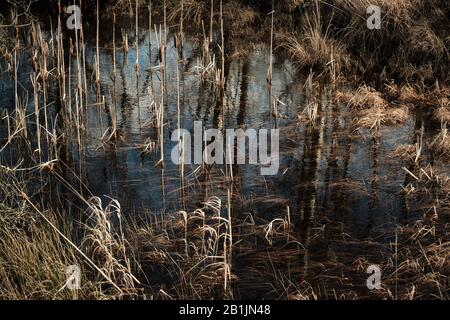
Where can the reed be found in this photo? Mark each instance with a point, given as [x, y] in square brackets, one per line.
[114, 48]
[182, 26]
[97, 51]
[37, 115]
[137, 37]
[211, 22]
[125, 45]
[270, 69]
[83, 60]
[150, 24]
[165, 23]
[222, 70]
[224, 242]
[181, 138]
[78, 95]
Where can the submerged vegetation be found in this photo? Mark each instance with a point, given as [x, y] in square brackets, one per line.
[86, 120]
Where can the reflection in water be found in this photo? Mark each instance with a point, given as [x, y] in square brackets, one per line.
[333, 182]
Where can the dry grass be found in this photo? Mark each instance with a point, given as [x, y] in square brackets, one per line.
[194, 11]
[310, 114]
[420, 269]
[314, 50]
[418, 94]
[441, 144]
[314, 47]
[406, 152]
[107, 246]
[376, 117]
[194, 250]
[33, 260]
[442, 114]
[365, 97]
[424, 44]
[38, 270]
[409, 94]
[398, 13]
[291, 5]
[193, 255]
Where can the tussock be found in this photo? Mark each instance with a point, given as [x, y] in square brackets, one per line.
[364, 97]
[425, 45]
[375, 117]
[314, 47]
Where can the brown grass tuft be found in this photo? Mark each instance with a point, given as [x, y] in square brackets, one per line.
[441, 144]
[424, 45]
[375, 117]
[442, 115]
[364, 97]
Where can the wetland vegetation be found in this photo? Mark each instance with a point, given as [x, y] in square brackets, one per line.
[86, 177]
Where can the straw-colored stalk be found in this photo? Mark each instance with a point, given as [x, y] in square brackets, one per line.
[69, 75]
[137, 37]
[36, 112]
[125, 43]
[150, 23]
[78, 93]
[181, 144]
[113, 119]
[211, 22]
[165, 23]
[97, 59]
[83, 57]
[269, 71]
[114, 48]
[222, 74]
[43, 216]
[288, 217]
[182, 25]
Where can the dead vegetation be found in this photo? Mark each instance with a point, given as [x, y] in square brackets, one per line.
[365, 97]
[419, 266]
[315, 48]
[441, 144]
[376, 117]
[194, 254]
[38, 270]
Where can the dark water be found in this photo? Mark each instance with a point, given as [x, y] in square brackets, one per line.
[330, 175]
